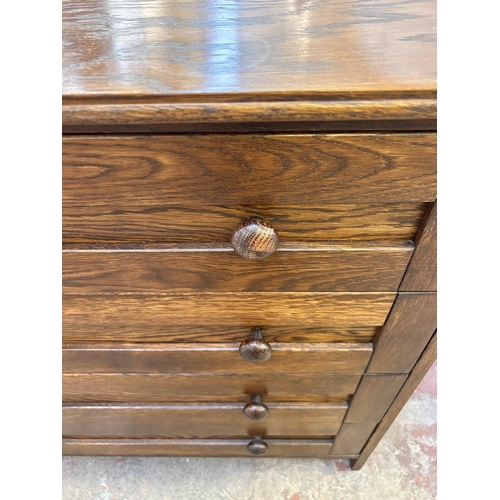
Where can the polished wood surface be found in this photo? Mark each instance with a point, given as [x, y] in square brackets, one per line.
[204, 223]
[119, 333]
[186, 66]
[198, 447]
[208, 420]
[373, 397]
[214, 358]
[351, 438]
[216, 268]
[146, 172]
[190, 53]
[409, 326]
[206, 387]
[182, 119]
[244, 309]
[380, 113]
[421, 275]
[417, 374]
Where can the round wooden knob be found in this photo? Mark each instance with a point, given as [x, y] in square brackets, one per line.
[257, 446]
[256, 409]
[255, 239]
[255, 349]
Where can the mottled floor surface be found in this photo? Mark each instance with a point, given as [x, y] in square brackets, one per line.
[402, 467]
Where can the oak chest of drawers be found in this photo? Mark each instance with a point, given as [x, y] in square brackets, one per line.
[249, 225]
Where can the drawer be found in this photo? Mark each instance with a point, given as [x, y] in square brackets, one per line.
[143, 313]
[195, 223]
[153, 268]
[217, 358]
[244, 169]
[205, 387]
[201, 334]
[207, 420]
[199, 187]
[198, 447]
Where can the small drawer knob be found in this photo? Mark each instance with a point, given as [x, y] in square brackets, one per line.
[256, 409]
[257, 446]
[255, 349]
[255, 239]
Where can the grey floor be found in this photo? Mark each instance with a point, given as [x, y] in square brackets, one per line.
[402, 467]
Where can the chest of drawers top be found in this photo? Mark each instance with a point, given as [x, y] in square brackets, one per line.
[196, 66]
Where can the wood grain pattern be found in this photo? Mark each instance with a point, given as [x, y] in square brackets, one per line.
[197, 447]
[208, 420]
[351, 438]
[186, 48]
[244, 309]
[83, 333]
[196, 223]
[144, 269]
[194, 117]
[421, 275]
[373, 396]
[120, 172]
[409, 326]
[214, 358]
[417, 374]
[207, 387]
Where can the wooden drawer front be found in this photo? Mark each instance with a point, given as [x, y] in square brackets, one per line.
[205, 387]
[195, 223]
[154, 269]
[198, 447]
[214, 358]
[160, 170]
[201, 334]
[209, 420]
[146, 312]
[199, 188]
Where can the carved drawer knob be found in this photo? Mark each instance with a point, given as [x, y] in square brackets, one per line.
[255, 349]
[255, 239]
[257, 446]
[256, 409]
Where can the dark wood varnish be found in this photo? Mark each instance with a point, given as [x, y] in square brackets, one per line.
[417, 374]
[205, 223]
[98, 312]
[198, 447]
[205, 387]
[373, 396]
[302, 53]
[197, 420]
[214, 358]
[409, 326]
[421, 274]
[147, 172]
[388, 118]
[318, 118]
[371, 115]
[216, 268]
[351, 438]
[144, 333]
